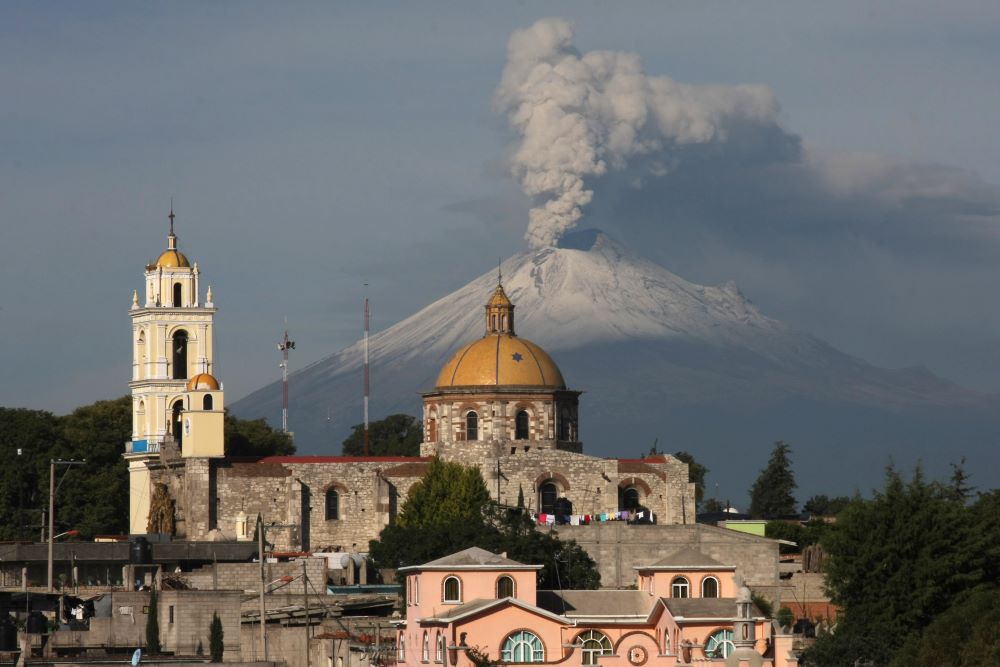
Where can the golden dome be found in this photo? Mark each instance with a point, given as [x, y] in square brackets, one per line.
[500, 359]
[172, 258]
[203, 382]
[499, 298]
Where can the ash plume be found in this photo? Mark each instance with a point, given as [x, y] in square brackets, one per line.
[579, 115]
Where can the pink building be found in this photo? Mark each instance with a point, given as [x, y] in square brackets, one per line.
[686, 610]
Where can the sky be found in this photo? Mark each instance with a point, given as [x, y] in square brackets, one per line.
[317, 153]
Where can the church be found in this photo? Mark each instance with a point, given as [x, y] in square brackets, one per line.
[500, 403]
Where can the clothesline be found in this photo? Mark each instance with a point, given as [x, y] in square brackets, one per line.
[544, 519]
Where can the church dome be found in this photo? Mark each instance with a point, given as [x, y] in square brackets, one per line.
[501, 359]
[203, 382]
[172, 258]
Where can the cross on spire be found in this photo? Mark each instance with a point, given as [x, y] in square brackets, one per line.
[171, 216]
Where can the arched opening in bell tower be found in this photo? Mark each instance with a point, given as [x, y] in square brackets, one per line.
[178, 294]
[180, 346]
[176, 415]
[521, 425]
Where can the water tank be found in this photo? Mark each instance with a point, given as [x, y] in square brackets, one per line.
[37, 623]
[8, 634]
[141, 551]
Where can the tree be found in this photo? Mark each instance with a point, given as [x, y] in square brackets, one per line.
[450, 510]
[825, 506]
[396, 435]
[771, 494]
[963, 636]
[216, 645]
[255, 437]
[896, 562]
[696, 474]
[153, 625]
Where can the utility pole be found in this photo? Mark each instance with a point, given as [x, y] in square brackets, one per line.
[305, 598]
[284, 346]
[52, 509]
[263, 584]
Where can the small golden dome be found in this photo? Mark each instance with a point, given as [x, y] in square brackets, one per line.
[203, 382]
[499, 298]
[500, 359]
[172, 258]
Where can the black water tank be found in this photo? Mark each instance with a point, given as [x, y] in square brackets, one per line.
[37, 623]
[8, 634]
[141, 551]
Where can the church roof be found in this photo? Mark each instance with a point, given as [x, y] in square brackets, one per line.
[499, 359]
[687, 559]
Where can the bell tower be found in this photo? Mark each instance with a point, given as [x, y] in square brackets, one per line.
[172, 365]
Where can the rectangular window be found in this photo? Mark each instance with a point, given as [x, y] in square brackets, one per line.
[170, 612]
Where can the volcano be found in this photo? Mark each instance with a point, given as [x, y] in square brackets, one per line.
[665, 363]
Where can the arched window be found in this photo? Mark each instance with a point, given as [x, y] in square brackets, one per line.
[547, 496]
[666, 643]
[522, 646]
[176, 412]
[425, 651]
[505, 587]
[521, 425]
[564, 425]
[452, 590]
[140, 356]
[332, 504]
[680, 588]
[629, 499]
[206, 403]
[709, 587]
[432, 430]
[593, 645]
[719, 644]
[180, 355]
[439, 652]
[472, 426]
[178, 293]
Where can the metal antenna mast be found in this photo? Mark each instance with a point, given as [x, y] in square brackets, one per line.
[284, 346]
[366, 387]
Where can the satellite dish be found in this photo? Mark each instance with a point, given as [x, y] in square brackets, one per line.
[137, 657]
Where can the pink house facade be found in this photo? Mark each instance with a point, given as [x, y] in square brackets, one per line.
[685, 610]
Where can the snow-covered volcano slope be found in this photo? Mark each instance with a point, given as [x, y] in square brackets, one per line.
[697, 367]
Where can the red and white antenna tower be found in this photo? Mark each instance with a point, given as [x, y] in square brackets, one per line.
[366, 374]
[284, 346]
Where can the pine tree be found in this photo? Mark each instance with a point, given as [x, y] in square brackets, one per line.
[216, 646]
[153, 625]
[771, 494]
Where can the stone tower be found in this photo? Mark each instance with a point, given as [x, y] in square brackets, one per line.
[177, 404]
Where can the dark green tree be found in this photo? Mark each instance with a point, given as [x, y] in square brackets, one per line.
[153, 625]
[821, 505]
[450, 510]
[396, 435]
[965, 635]
[25, 439]
[771, 494]
[713, 505]
[896, 562]
[255, 437]
[216, 644]
[696, 474]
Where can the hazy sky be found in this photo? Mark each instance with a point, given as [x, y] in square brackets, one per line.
[312, 148]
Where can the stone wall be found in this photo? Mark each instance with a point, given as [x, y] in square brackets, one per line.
[246, 576]
[618, 547]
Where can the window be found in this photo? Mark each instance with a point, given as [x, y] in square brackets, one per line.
[709, 587]
[178, 292]
[629, 499]
[522, 646]
[505, 587]
[432, 430]
[170, 614]
[180, 355]
[452, 590]
[564, 425]
[206, 403]
[679, 588]
[425, 652]
[594, 645]
[666, 642]
[401, 649]
[472, 426]
[439, 652]
[521, 425]
[175, 421]
[332, 504]
[547, 496]
[719, 644]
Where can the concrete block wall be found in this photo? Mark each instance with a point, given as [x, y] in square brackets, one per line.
[246, 576]
[618, 547]
[186, 616]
